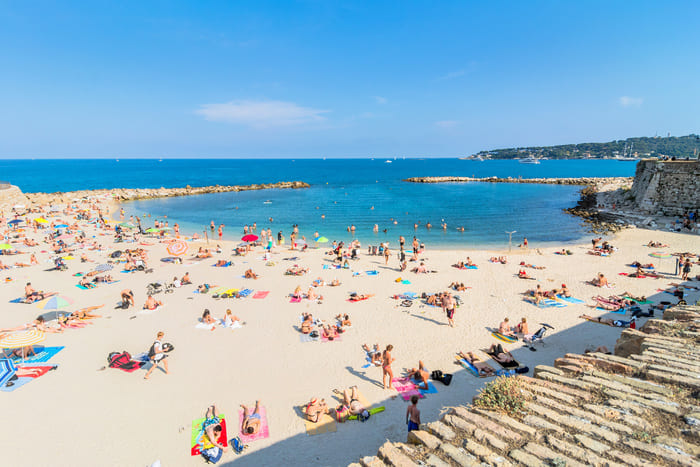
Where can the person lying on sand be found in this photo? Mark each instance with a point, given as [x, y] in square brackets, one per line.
[128, 298]
[318, 282]
[610, 322]
[459, 265]
[312, 295]
[86, 282]
[39, 323]
[330, 332]
[522, 274]
[31, 295]
[297, 293]
[334, 283]
[656, 245]
[355, 297]
[315, 408]
[374, 354]
[352, 402]
[211, 448]
[420, 269]
[499, 354]
[458, 286]
[152, 303]
[251, 419]
[531, 266]
[85, 313]
[307, 323]
[420, 375]
[249, 274]
[203, 288]
[481, 366]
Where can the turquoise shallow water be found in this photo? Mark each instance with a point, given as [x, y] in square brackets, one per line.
[345, 191]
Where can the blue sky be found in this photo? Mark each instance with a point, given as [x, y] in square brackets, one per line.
[340, 79]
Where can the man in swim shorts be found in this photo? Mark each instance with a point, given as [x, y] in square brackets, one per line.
[413, 414]
[448, 305]
[251, 420]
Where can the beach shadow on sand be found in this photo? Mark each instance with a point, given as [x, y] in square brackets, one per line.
[439, 323]
[363, 376]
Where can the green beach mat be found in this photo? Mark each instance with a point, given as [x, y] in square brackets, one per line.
[371, 412]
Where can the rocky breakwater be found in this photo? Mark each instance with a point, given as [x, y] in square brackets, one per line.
[130, 194]
[598, 222]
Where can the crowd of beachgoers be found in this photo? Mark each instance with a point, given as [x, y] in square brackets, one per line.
[272, 322]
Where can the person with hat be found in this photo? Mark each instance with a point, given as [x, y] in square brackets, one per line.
[565, 291]
[315, 408]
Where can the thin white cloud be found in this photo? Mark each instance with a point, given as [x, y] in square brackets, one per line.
[627, 101]
[447, 123]
[381, 100]
[260, 114]
[452, 75]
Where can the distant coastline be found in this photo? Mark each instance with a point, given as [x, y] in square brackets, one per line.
[585, 181]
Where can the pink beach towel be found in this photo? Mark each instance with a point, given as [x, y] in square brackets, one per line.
[295, 300]
[325, 339]
[406, 388]
[264, 428]
[261, 294]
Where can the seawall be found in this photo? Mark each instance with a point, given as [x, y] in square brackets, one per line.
[666, 188]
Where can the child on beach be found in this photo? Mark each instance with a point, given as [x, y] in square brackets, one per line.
[413, 414]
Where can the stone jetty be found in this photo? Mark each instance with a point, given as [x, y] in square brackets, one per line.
[638, 407]
[12, 195]
[585, 181]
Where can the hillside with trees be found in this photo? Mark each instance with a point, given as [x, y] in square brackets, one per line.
[679, 147]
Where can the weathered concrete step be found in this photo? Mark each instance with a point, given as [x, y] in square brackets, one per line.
[674, 378]
[680, 350]
[424, 438]
[486, 424]
[392, 455]
[636, 383]
[473, 431]
[672, 353]
[650, 404]
[561, 388]
[573, 422]
[616, 359]
[550, 456]
[577, 452]
[664, 360]
[604, 450]
[662, 452]
[603, 364]
[571, 382]
[372, 461]
[540, 423]
[616, 415]
[458, 456]
[484, 453]
[526, 459]
[585, 415]
[508, 421]
[439, 429]
[609, 384]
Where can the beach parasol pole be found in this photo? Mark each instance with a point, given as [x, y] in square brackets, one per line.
[510, 239]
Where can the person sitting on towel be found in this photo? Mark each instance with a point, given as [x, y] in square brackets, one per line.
[186, 279]
[212, 449]
[521, 327]
[152, 303]
[482, 367]
[207, 318]
[128, 298]
[505, 329]
[497, 353]
[315, 408]
[420, 375]
[307, 325]
[374, 354]
[251, 419]
[249, 274]
[351, 400]
[565, 292]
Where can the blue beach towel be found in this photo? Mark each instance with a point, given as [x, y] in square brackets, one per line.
[548, 302]
[431, 389]
[245, 292]
[18, 383]
[569, 299]
[308, 338]
[372, 273]
[42, 355]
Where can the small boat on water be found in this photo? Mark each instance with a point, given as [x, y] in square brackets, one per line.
[530, 160]
[267, 202]
[388, 161]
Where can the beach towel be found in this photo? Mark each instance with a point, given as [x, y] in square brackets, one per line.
[295, 300]
[471, 267]
[569, 299]
[469, 366]
[431, 389]
[406, 388]
[245, 292]
[307, 338]
[620, 311]
[205, 326]
[372, 273]
[548, 302]
[197, 436]
[503, 337]
[21, 381]
[43, 354]
[19, 300]
[264, 428]
[326, 424]
[261, 294]
[335, 339]
[406, 282]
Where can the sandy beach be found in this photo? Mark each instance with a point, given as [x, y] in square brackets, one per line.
[82, 414]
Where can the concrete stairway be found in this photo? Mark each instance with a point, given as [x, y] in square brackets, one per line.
[635, 410]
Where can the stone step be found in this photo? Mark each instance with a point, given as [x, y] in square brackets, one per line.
[616, 359]
[617, 415]
[508, 421]
[674, 378]
[434, 461]
[671, 357]
[602, 364]
[526, 459]
[537, 389]
[577, 452]
[540, 423]
[372, 461]
[439, 429]
[550, 456]
[585, 415]
[656, 450]
[458, 456]
[486, 424]
[678, 349]
[474, 431]
[628, 406]
[571, 382]
[484, 453]
[663, 360]
[677, 371]
[604, 450]
[424, 438]
[636, 383]
[651, 404]
[573, 423]
[393, 456]
[561, 388]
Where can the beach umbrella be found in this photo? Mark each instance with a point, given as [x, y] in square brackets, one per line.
[152, 230]
[249, 238]
[5, 246]
[7, 370]
[177, 248]
[321, 240]
[41, 220]
[15, 221]
[54, 302]
[660, 254]
[22, 339]
[104, 267]
[127, 225]
[62, 226]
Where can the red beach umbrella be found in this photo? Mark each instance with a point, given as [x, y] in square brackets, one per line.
[249, 238]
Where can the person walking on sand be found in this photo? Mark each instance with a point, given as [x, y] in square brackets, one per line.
[413, 414]
[386, 255]
[387, 360]
[448, 306]
[157, 354]
[686, 269]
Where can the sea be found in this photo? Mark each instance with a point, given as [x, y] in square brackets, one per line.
[363, 193]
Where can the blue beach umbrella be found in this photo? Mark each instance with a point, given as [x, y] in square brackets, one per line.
[7, 370]
[15, 221]
[61, 226]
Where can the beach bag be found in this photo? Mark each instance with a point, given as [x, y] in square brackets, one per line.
[212, 455]
[116, 254]
[436, 375]
[313, 334]
[341, 413]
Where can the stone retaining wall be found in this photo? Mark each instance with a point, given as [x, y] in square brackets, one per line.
[667, 188]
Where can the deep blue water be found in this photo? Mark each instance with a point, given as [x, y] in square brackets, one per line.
[345, 192]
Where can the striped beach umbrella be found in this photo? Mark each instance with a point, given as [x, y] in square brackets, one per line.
[22, 339]
[104, 267]
[177, 248]
[54, 302]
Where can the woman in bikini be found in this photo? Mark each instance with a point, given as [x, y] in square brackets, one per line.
[387, 360]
